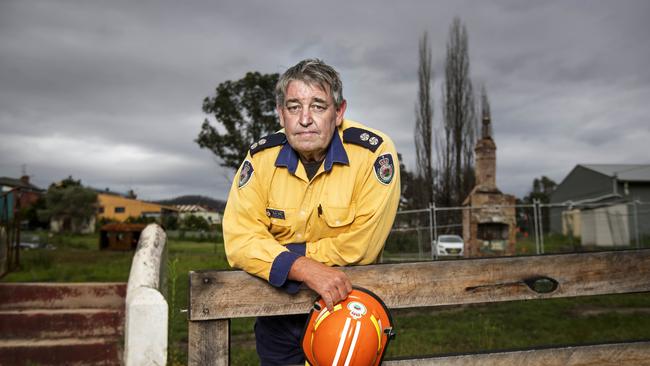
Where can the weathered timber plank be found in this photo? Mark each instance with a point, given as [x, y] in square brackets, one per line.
[209, 343]
[42, 295]
[230, 294]
[629, 354]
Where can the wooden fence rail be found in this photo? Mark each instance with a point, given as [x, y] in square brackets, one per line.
[216, 296]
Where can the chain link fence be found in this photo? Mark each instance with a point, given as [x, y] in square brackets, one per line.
[538, 228]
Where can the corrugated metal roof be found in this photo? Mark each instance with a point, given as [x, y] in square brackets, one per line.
[191, 208]
[623, 172]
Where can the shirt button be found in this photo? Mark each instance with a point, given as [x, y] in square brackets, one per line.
[298, 235]
[338, 222]
[302, 213]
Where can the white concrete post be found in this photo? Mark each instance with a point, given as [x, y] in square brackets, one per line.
[145, 341]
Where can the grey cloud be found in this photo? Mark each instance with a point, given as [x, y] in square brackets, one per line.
[563, 77]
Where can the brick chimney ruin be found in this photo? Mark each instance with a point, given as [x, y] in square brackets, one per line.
[489, 217]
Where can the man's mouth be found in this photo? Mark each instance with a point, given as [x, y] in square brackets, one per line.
[306, 133]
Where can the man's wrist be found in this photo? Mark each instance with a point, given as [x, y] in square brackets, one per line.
[296, 272]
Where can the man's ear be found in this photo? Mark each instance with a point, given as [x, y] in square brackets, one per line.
[279, 110]
[340, 112]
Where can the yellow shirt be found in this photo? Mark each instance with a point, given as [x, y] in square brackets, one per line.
[341, 217]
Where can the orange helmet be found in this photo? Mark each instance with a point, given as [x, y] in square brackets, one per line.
[355, 333]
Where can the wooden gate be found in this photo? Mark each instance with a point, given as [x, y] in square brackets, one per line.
[217, 296]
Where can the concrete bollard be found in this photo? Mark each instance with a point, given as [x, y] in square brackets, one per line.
[145, 341]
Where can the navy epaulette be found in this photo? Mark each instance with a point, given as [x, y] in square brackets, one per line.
[361, 137]
[265, 142]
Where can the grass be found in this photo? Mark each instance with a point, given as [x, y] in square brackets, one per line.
[74, 258]
[422, 331]
[522, 324]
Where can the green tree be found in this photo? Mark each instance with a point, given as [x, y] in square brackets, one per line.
[67, 182]
[170, 222]
[541, 190]
[30, 214]
[140, 220]
[244, 111]
[70, 202]
[192, 222]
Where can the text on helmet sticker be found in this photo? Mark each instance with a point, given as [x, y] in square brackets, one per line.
[357, 309]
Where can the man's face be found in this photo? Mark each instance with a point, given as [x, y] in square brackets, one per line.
[309, 118]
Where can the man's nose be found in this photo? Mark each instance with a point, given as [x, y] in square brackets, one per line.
[305, 117]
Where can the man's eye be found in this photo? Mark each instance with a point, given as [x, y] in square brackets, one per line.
[318, 107]
[293, 108]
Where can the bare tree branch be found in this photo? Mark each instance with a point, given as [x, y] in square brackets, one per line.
[424, 121]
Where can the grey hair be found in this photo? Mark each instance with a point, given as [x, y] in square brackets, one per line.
[312, 72]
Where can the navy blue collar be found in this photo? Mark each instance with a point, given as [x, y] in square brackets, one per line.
[288, 157]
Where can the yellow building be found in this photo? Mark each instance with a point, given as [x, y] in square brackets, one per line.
[121, 208]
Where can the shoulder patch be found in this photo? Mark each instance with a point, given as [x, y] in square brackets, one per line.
[384, 168]
[265, 142]
[361, 137]
[245, 174]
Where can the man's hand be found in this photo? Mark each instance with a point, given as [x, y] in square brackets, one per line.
[330, 283]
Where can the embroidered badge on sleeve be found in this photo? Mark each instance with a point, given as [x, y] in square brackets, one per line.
[245, 174]
[384, 168]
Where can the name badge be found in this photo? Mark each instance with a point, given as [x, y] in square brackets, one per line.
[276, 214]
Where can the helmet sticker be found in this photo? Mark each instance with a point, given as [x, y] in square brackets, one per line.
[384, 168]
[357, 309]
[245, 174]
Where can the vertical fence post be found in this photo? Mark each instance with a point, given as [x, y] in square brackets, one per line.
[435, 230]
[17, 228]
[420, 242]
[418, 230]
[431, 227]
[535, 226]
[636, 223]
[541, 226]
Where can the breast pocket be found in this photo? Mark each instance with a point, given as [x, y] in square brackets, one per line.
[281, 222]
[336, 220]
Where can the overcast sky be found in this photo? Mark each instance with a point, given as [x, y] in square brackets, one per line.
[110, 92]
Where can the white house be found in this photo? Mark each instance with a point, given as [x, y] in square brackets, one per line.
[212, 217]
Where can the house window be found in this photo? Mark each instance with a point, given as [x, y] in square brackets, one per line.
[119, 209]
[100, 209]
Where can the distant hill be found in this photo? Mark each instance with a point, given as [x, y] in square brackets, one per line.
[211, 203]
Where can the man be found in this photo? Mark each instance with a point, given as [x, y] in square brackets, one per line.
[322, 192]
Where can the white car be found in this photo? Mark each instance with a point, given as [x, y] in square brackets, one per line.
[447, 245]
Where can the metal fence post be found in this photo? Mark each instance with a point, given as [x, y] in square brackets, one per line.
[636, 223]
[541, 226]
[435, 231]
[535, 226]
[431, 226]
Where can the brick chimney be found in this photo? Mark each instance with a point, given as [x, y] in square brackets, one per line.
[25, 179]
[486, 158]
